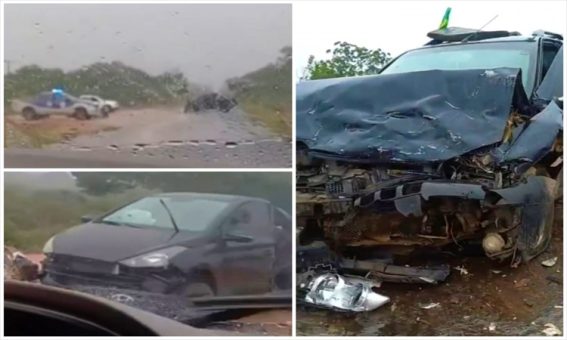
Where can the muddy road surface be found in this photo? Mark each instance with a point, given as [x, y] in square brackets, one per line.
[491, 299]
[156, 137]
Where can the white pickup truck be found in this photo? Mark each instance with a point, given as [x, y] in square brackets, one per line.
[104, 105]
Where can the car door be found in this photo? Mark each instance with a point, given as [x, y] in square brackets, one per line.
[42, 103]
[248, 249]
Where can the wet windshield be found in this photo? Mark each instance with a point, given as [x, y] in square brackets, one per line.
[470, 56]
[194, 215]
[133, 255]
[173, 86]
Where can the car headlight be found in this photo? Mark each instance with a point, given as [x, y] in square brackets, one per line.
[48, 247]
[155, 259]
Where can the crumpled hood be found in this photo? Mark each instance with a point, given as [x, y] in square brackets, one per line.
[416, 117]
[109, 242]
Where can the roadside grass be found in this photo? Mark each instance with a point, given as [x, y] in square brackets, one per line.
[38, 134]
[275, 116]
[31, 217]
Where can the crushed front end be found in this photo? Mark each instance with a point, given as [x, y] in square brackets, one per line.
[427, 159]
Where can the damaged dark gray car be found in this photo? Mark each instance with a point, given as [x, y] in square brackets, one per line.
[210, 101]
[183, 244]
[456, 142]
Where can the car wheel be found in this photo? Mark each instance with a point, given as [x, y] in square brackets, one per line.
[81, 114]
[199, 289]
[546, 228]
[106, 109]
[559, 186]
[29, 114]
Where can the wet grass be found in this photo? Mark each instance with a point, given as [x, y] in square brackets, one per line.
[275, 116]
[38, 134]
[34, 216]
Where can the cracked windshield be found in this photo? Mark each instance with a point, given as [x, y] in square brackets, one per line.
[147, 85]
[185, 253]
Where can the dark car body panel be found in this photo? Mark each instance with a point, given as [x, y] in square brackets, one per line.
[91, 253]
[406, 118]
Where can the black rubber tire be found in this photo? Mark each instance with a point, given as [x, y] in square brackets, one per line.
[81, 114]
[106, 109]
[29, 114]
[559, 186]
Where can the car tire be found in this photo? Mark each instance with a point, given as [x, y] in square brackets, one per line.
[559, 186]
[81, 114]
[29, 114]
[547, 229]
[106, 109]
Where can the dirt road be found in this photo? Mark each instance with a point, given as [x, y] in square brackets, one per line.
[492, 299]
[159, 137]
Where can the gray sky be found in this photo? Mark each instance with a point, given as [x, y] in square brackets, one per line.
[397, 26]
[209, 43]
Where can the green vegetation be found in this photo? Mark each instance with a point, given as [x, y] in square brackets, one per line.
[347, 60]
[32, 216]
[266, 93]
[127, 85]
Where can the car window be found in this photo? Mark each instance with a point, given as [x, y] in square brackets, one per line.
[147, 212]
[43, 99]
[195, 214]
[472, 56]
[552, 84]
[251, 219]
[282, 219]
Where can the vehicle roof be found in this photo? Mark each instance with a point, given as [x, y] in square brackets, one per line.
[516, 38]
[210, 196]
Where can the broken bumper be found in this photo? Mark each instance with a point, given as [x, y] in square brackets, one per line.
[62, 271]
[435, 213]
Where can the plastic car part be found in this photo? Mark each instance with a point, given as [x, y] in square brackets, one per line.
[344, 293]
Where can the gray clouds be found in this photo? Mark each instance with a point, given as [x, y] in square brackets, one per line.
[209, 43]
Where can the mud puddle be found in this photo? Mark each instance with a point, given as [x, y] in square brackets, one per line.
[486, 298]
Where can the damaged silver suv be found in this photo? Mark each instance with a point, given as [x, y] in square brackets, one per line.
[457, 142]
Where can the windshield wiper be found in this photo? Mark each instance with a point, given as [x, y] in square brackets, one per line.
[170, 214]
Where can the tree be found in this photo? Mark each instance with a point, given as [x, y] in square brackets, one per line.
[347, 60]
[273, 186]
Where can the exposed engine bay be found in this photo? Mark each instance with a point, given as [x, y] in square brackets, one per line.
[428, 169]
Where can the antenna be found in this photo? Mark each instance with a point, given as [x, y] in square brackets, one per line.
[467, 38]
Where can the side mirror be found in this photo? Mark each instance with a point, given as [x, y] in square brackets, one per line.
[232, 237]
[87, 218]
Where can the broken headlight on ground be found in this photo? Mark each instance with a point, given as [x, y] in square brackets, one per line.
[341, 293]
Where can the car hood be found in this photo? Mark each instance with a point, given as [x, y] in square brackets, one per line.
[111, 243]
[416, 117]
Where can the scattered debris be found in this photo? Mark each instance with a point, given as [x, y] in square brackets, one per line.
[492, 327]
[555, 279]
[430, 305]
[551, 330]
[18, 266]
[122, 298]
[462, 270]
[522, 283]
[340, 293]
[496, 271]
[549, 262]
